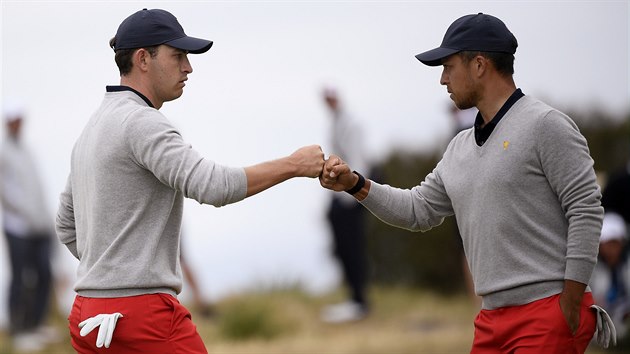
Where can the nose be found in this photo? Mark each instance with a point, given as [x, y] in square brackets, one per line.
[444, 78]
[187, 67]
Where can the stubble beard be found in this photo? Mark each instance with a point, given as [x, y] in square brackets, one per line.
[468, 100]
[464, 103]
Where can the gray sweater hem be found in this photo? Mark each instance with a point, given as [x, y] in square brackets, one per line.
[522, 295]
[107, 293]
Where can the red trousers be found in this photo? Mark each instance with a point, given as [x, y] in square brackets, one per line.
[154, 323]
[534, 328]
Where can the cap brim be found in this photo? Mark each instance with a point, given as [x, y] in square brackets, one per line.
[191, 44]
[434, 57]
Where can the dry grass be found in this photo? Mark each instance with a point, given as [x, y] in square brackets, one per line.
[287, 321]
[401, 321]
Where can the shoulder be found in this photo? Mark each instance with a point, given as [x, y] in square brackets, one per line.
[145, 129]
[534, 109]
[126, 107]
[543, 117]
[555, 133]
[142, 120]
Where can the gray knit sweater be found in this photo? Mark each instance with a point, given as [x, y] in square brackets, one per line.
[121, 211]
[527, 204]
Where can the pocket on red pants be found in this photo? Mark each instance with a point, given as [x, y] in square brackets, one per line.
[586, 328]
[588, 322]
[561, 321]
[183, 332]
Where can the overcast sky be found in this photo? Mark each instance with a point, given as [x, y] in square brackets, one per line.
[256, 96]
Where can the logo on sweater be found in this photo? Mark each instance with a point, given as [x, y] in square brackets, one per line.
[506, 144]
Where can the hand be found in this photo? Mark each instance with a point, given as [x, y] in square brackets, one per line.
[572, 315]
[107, 323]
[337, 175]
[571, 302]
[309, 161]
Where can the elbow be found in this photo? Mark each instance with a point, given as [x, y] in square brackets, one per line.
[72, 247]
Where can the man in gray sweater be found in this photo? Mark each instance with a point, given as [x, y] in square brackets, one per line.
[522, 185]
[121, 211]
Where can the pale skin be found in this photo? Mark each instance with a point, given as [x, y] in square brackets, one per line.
[162, 78]
[473, 84]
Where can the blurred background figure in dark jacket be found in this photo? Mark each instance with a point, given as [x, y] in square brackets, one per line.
[28, 230]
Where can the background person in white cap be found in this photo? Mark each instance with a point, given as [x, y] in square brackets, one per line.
[28, 229]
[522, 186]
[121, 212]
[611, 277]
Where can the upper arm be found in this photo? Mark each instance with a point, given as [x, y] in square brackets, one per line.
[565, 159]
[158, 147]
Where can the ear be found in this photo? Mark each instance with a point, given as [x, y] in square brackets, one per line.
[141, 59]
[480, 65]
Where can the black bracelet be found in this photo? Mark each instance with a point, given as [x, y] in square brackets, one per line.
[357, 187]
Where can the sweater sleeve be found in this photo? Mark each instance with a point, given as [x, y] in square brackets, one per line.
[158, 147]
[65, 224]
[418, 209]
[565, 159]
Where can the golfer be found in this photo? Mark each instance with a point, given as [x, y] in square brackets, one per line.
[522, 185]
[121, 211]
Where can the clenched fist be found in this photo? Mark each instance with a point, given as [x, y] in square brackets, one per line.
[337, 175]
[309, 161]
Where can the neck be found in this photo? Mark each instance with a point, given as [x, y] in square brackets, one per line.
[494, 97]
[142, 87]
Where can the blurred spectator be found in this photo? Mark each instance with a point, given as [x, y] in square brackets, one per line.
[611, 277]
[200, 304]
[28, 230]
[347, 218]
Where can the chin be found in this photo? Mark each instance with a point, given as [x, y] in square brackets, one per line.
[177, 95]
[463, 105]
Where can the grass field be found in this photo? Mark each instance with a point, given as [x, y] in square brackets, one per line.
[287, 322]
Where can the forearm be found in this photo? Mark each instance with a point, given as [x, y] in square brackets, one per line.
[267, 174]
[65, 225]
[66, 233]
[403, 208]
[304, 162]
[407, 209]
[570, 302]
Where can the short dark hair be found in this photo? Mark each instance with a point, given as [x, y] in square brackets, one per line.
[503, 62]
[123, 56]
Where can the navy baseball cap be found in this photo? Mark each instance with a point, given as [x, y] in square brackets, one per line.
[147, 28]
[480, 32]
